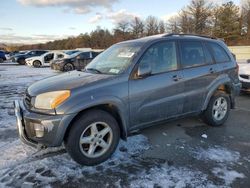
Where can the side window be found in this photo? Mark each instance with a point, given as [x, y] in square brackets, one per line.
[49, 57]
[85, 55]
[33, 53]
[60, 56]
[209, 58]
[192, 54]
[219, 53]
[161, 57]
[94, 54]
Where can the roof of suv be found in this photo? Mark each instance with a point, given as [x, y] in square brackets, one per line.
[173, 35]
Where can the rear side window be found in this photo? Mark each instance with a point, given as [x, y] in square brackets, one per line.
[85, 55]
[192, 54]
[95, 54]
[220, 55]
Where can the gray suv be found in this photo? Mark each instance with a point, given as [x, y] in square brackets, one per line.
[130, 86]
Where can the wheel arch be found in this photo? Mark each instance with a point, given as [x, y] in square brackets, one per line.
[36, 60]
[107, 107]
[223, 85]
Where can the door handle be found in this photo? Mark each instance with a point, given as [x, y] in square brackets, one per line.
[176, 78]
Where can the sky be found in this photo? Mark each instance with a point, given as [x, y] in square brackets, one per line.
[39, 21]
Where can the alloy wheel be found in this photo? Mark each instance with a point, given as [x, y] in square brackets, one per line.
[96, 139]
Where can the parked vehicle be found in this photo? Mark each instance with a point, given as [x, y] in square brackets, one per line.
[130, 86]
[20, 58]
[2, 56]
[76, 62]
[244, 75]
[45, 59]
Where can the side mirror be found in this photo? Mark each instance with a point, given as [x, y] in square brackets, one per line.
[144, 71]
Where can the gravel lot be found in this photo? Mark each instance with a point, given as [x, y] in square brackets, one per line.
[183, 153]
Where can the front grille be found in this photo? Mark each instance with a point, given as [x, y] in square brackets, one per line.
[27, 100]
[244, 76]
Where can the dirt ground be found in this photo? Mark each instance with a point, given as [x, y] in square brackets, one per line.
[183, 153]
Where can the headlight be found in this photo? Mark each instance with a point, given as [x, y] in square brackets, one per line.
[51, 100]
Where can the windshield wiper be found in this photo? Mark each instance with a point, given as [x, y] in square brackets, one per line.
[94, 70]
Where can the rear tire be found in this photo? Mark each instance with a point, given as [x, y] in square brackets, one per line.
[93, 138]
[1, 60]
[218, 109]
[21, 62]
[68, 67]
[37, 64]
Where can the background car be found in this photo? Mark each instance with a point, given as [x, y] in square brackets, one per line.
[244, 75]
[2, 56]
[76, 62]
[20, 58]
[45, 59]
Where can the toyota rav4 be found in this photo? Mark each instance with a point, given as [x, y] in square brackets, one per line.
[130, 86]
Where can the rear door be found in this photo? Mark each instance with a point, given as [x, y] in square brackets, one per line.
[158, 96]
[199, 71]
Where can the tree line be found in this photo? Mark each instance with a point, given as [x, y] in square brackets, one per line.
[227, 21]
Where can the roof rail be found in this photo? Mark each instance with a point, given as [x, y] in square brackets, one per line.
[195, 35]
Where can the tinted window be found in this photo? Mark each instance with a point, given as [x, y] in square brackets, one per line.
[209, 58]
[60, 56]
[49, 57]
[94, 54]
[161, 57]
[219, 53]
[85, 55]
[192, 54]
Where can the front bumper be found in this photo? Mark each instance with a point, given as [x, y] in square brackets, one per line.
[20, 126]
[53, 127]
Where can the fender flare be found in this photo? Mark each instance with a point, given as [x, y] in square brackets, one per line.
[117, 103]
[213, 87]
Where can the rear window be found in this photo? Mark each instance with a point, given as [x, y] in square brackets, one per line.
[220, 55]
[192, 54]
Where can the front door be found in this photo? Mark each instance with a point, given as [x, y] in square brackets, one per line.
[158, 96]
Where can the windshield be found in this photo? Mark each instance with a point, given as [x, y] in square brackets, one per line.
[115, 59]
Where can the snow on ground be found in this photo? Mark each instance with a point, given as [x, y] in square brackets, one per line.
[217, 154]
[21, 165]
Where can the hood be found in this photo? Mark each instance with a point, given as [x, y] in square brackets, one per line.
[244, 68]
[66, 81]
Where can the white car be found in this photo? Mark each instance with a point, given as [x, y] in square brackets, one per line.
[45, 59]
[244, 75]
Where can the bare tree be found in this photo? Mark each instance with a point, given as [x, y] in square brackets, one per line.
[245, 13]
[173, 25]
[162, 28]
[137, 27]
[151, 26]
[200, 13]
[185, 22]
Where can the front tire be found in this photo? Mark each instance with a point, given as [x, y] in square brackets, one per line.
[218, 109]
[93, 138]
[1, 60]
